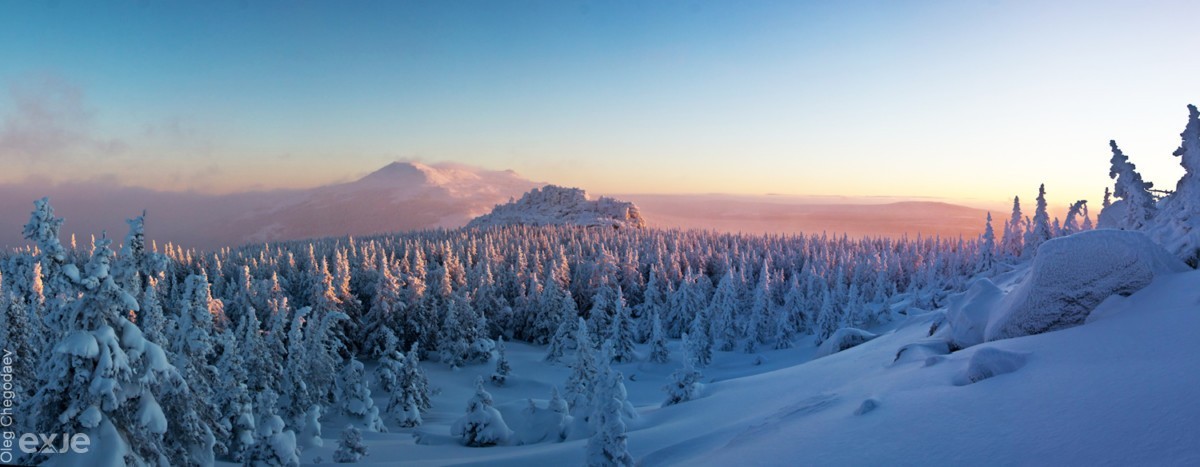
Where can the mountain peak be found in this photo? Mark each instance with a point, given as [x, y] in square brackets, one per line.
[400, 172]
[556, 205]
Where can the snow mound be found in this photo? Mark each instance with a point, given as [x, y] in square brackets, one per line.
[989, 362]
[1071, 275]
[968, 313]
[866, 407]
[920, 351]
[555, 205]
[843, 339]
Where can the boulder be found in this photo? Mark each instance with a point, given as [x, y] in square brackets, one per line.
[1071, 275]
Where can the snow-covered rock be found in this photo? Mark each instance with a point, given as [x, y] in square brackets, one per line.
[843, 339]
[1071, 275]
[968, 313]
[555, 205]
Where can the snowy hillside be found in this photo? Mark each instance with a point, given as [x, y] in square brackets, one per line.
[1120, 391]
[555, 205]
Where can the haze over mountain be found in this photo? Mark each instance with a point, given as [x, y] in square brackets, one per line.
[855, 217]
[400, 196]
[412, 195]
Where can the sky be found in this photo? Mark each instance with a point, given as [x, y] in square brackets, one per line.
[969, 101]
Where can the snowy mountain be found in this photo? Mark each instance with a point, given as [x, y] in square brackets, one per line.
[555, 205]
[400, 196]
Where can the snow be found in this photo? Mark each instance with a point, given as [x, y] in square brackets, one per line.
[1113, 391]
[72, 272]
[555, 205]
[79, 343]
[91, 417]
[1071, 275]
[150, 415]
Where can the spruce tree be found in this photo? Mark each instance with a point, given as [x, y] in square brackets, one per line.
[1139, 205]
[987, 249]
[482, 425]
[354, 396]
[350, 446]
[658, 340]
[500, 374]
[1042, 230]
[621, 332]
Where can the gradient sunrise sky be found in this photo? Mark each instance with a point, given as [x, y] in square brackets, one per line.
[972, 101]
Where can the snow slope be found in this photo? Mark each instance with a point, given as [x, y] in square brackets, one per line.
[1119, 390]
[555, 205]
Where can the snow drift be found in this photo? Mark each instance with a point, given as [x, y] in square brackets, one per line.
[843, 339]
[1071, 275]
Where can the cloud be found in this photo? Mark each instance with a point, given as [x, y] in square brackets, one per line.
[50, 120]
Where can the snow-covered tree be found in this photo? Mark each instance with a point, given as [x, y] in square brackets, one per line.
[386, 312]
[403, 406]
[684, 385]
[59, 275]
[95, 381]
[785, 331]
[1012, 245]
[18, 335]
[391, 363]
[500, 374]
[987, 248]
[658, 340]
[403, 386]
[827, 318]
[607, 445]
[1072, 223]
[794, 306]
[762, 320]
[1188, 188]
[193, 345]
[724, 314]
[350, 446]
[1041, 230]
[559, 406]
[482, 425]
[414, 377]
[564, 337]
[578, 388]
[354, 396]
[274, 445]
[1177, 225]
[621, 332]
[234, 405]
[701, 340]
[1137, 205]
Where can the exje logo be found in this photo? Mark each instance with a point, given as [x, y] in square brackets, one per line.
[52, 444]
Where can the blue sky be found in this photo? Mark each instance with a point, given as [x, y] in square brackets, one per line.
[970, 101]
